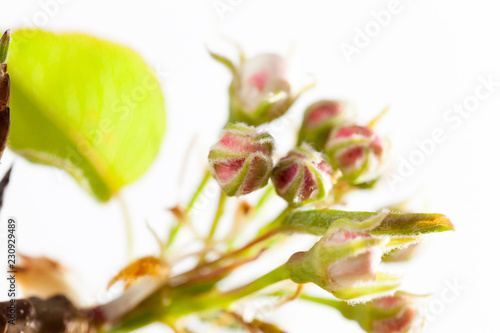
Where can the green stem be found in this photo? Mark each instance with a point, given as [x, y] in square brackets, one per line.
[174, 231]
[216, 299]
[263, 199]
[172, 235]
[276, 223]
[239, 253]
[128, 226]
[218, 215]
[215, 223]
[180, 304]
[348, 311]
[196, 195]
[232, 242]
[330, 302]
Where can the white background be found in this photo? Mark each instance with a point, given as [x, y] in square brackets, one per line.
[429, 57]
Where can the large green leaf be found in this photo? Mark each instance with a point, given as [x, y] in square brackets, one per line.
[90, 107]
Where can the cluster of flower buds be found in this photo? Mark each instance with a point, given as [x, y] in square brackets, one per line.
[302, 176]
[260, 90]
[356, 151]
[344, 261]
[320, 119]
[241, 161]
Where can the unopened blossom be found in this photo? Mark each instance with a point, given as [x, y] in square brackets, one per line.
[358, 152]
[345, 261]
[241, 161]
[393, 314]
[359, 267]
[397, 313]
[320, 119]
[260, 90]
[302, 176]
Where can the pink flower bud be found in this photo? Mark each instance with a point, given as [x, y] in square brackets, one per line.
[241, 162]
[360, 267]
[358, 152]
[302, 176]
[390, 314]
[344, 261]
[397, 314]
[400, 323]
[260, 91]
[320, 119]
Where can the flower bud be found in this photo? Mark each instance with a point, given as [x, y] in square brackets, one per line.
[241, 162]
[393, 314]
[344, 261]
[302, 176]
[358, 152]
[260, 90]
[361, 266]
[320, 119]
[397, 313]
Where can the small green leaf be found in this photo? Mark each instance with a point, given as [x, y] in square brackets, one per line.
[317, 222]
[90, 107]
[4, 46]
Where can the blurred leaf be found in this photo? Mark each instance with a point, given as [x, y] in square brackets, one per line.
[317, 222]
[90, 107]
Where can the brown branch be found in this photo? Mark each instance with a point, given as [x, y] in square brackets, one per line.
[3, 185]
[53, 315]
[4, 104]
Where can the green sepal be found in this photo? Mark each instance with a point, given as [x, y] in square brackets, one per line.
[384, 283]
[397, 243]
[280, 100]
[223, 60]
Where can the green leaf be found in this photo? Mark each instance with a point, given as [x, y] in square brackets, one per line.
[90, 107]
[317, 222]
[4, 46]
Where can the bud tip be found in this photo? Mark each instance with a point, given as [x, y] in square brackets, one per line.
[4, 46]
